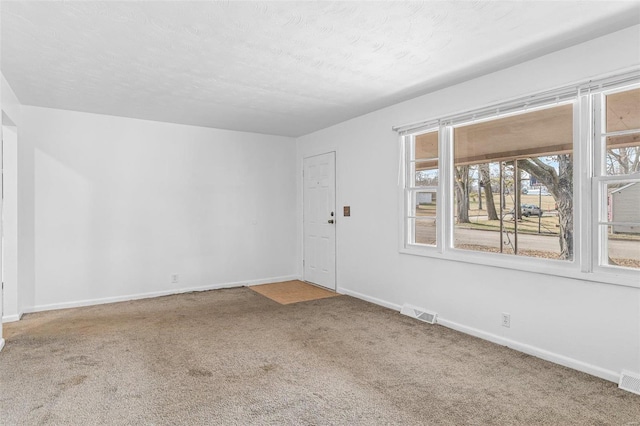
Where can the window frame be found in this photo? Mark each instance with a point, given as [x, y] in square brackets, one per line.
[600, 180]
[539, 107]
[585, 264]
[409, 188]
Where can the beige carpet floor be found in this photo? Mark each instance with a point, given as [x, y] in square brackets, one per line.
[234, 357]
[295, 291]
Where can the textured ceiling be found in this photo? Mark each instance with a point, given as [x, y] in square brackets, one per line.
[286, 68]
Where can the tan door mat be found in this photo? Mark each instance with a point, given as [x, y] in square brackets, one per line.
[292, 292]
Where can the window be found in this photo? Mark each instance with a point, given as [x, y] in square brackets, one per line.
[513, 184]
[548, 183]
[421, 188]
[617, 178]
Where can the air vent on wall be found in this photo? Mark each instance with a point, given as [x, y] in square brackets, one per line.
[630, 382]
[419, 313]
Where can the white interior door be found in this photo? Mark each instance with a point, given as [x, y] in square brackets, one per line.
[319, 222]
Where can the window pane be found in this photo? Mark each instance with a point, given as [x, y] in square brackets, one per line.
[468, 239]
[545, 228]
[543, 132]
[480, 233]
[478, 206]
[426, 146]
[623, 246]
[623, 154]
[623, 234]
[498, 152]
[423, 203]
[538, 229]
[427, 177]
[623, 111]
[423, 231]
[623, 206]
[422, 224]
[425, 168]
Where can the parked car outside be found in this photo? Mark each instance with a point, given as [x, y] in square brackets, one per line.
[528, 210]
[531, 210]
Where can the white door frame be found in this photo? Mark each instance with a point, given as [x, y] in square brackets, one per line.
[335, 231]
[1, 253]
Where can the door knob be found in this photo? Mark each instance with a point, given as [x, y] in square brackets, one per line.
[330, 221]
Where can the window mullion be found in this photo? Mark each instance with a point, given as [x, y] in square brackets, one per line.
[619, 178]
[621, 132]
[598, 239]
[602, 250]
[583, 165]
[406, 223]
[604, 222]
[445, 183]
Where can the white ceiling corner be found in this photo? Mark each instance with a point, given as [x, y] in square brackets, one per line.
[286, 68]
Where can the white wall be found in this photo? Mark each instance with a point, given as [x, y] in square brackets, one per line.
[26, 220]
[122, 204]
[591, 326]
[10, 221]
[1, 292]
[18, 210]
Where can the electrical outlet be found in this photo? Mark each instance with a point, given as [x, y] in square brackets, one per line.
[174, 279]
[506, 320]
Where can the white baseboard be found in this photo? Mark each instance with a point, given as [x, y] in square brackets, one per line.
[114, 299]
[373, 300]
[12, 318]
[518, 346]
[534, 351]
[1, 344]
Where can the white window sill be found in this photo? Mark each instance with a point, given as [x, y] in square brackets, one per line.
[559, 268]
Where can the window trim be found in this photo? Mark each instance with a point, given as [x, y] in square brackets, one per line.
[585, 264]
